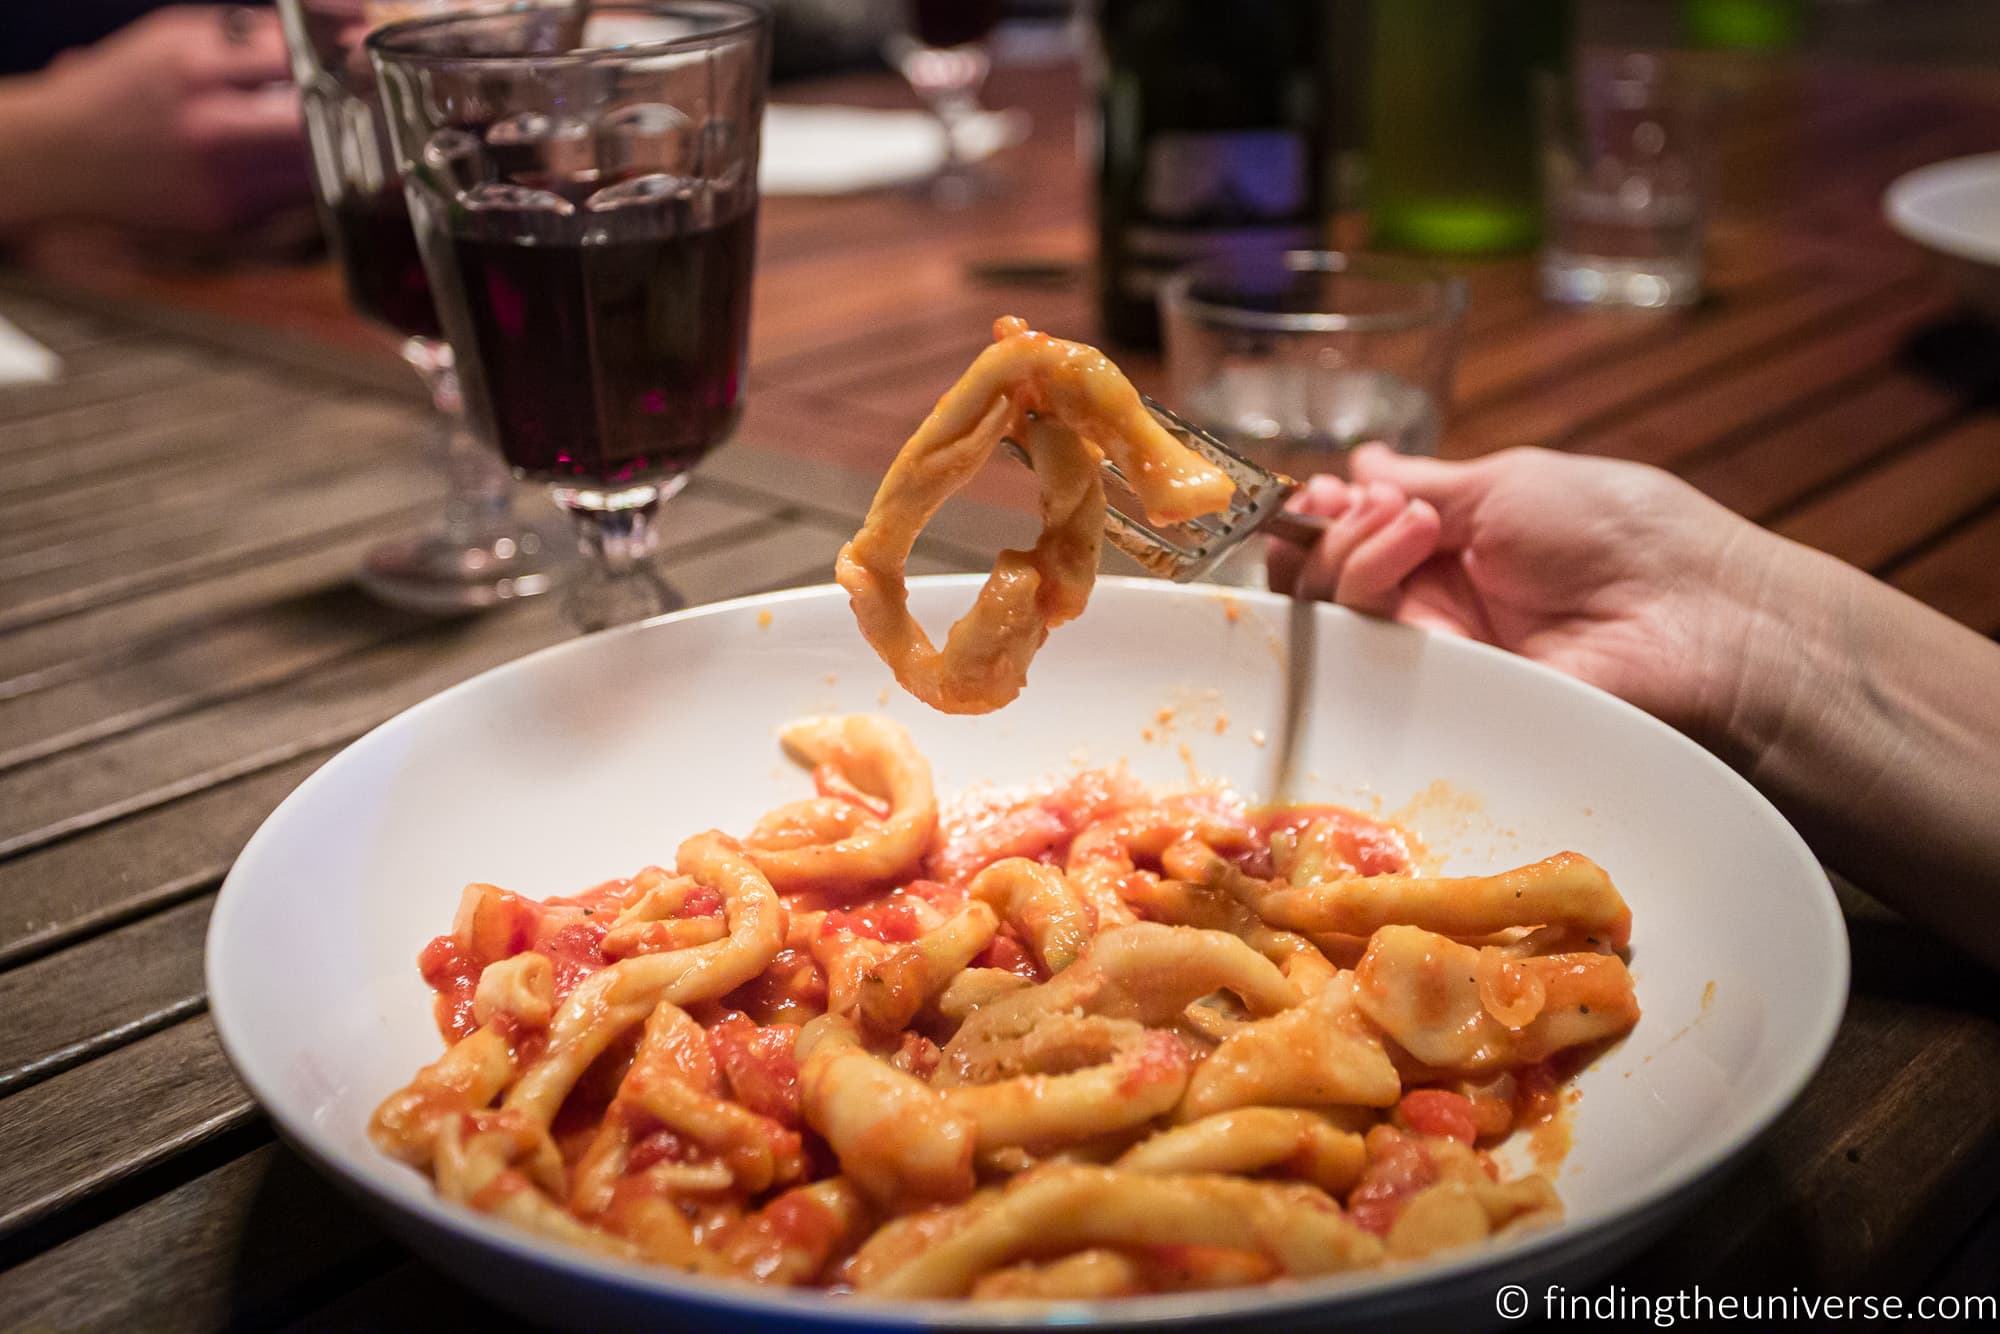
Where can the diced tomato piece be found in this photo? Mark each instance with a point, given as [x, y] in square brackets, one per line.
[701, 902]
[577, 951]
[454, 975]
[660, 1146]
[1439, 1112]
[1398, 1167]
[757, 1061]
[1004, 951]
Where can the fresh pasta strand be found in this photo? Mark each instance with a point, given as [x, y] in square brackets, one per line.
[1068, 408]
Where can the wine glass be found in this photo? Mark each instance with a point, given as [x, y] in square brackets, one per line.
[942, 54]
[480, 555]
[583, 180]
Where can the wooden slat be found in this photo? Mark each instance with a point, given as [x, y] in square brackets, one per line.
[277, 643]
[213, 395]
[1889, 509]
[35, 657]
[84, 1130]
[1760, 476]
[243, 1246]
[1553, 410]
[46, 654]
[56, 894]
[296, 522]
[100, 374]
[1960, 576]
[171, 445]
[61, 329]
[1765, 392]
[101, 994]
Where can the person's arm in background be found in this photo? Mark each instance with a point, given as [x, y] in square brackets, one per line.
[1872, 721]
[184, 121]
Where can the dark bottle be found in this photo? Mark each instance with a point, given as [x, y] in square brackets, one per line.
[1209, 142]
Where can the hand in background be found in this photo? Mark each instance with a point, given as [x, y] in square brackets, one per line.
[183, 121]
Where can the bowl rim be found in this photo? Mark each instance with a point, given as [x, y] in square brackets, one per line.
[1908, 200]
[656, 1284]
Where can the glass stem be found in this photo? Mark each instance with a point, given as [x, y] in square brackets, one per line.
[619, 534]
[479, 489]
[619, 540]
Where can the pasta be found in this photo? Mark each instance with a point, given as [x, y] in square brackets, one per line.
[1068, 408]
[1084, 1042]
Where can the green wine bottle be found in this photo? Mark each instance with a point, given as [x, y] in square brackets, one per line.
[1208, 142]
[1451, 162]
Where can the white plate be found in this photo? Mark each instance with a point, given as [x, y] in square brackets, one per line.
[591, 759]
[1953, 209]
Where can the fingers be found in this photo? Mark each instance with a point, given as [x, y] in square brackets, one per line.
[1376, 539]
[226, 46]
[1371, 581]
[1451, 489]
[237, 122]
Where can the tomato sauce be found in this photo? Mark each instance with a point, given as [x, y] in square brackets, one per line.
[577, 951]
[1007, 952]
[1370, 847]
[454, 976]
[892, 919]
[758, 1064]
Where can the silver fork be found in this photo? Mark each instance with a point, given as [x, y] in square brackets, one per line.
[1185, 551]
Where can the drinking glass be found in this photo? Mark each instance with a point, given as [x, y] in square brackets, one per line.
[481, 554]
[942, 53]
[583, 181]
[1624, 176]
[1293, 358]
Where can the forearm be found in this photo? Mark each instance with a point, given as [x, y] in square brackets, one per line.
[1874, 724]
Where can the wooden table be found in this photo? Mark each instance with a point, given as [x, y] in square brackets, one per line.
[179, 647]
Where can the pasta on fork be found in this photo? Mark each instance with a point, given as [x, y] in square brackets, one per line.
[1068, 408]
[1085, 1041]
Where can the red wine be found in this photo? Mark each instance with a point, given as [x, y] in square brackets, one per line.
[612, 361]
[378, 255]
[954, 22]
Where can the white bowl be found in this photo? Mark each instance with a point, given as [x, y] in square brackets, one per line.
[593, 758]
[1953, 209]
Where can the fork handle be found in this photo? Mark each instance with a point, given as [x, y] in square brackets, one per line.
[1299, 530]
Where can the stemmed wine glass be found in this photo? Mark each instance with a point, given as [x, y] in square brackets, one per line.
[583, 180]
[942, 54]
[481, 554]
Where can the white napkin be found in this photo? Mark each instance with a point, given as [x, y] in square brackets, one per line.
[836, 150]
[23, 360]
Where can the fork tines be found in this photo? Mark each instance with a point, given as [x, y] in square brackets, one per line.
[1185, 551]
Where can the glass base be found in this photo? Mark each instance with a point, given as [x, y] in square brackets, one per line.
[1595, 280]
[446, 575]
